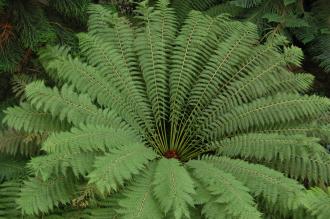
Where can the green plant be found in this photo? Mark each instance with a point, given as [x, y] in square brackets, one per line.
[170, 121]
[306, 22]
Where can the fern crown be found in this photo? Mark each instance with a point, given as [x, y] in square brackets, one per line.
[173, 120]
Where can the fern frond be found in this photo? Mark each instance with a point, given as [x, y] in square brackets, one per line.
[278, 191]
[120, 164]
[88, 79]
[19, 83]
[20, 143]
[152, 43]
[298, 156]
[317, 201]
[11, 168]
[223, 8]
[88, 138]
[26, 118]
[120, 35]
[257, 76]
[139, 201]
[183, 8]
[219, 67]
[9, 193]
[250, 88]
[246, 3]
[269, 111]
[120, 38]
[60, 164]
[68, 105]
[226, 193]
[196, 37]
[76, 150]
[171, 180]
[107, 60]
[39, 196]
[100, 20]
[320, 49]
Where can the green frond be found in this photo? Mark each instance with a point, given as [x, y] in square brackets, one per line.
[266, 112]
[20, 143]
[196, 38]
[224, 8]
[173, 188]
[19, 83]
[317, 201]
[120, 58]
[107, 60]
[119, 33]
[251, 87]
[88, 79]
[298, 156]
[139, 201]
[293, 55]
[106, 207]
[88, 138]
[9, 193]
[63, 164]
[39, 196]
[183, 8]
[255, 77]
[246, 3]
[76, 150]
[295, 83]
[99, 20]
[119, 165]
[275, 190]
[153, 42]
[11, 168]
[26, 118]
[68, 105]
[202, 195]
[220, 66]
[226, 193]
[320, 49]
[72, 9]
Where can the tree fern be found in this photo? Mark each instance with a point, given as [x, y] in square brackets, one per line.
[171, 119]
